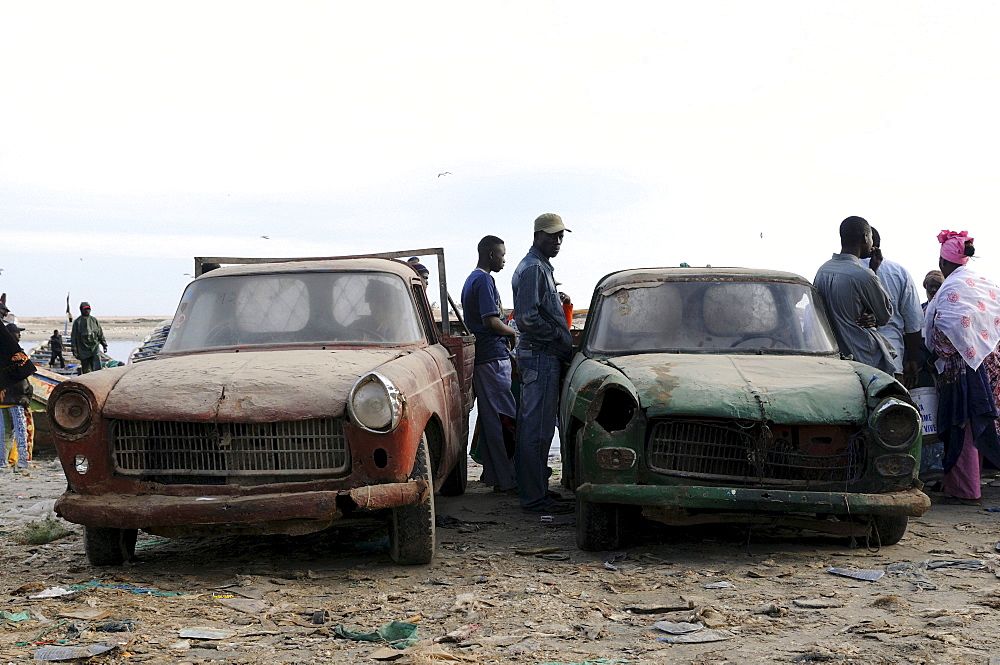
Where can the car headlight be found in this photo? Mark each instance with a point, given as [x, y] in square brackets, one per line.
[376, 404]
[895, 423]
[71, 411]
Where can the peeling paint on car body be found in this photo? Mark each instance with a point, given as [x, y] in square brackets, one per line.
[250, 386]
[791, 388]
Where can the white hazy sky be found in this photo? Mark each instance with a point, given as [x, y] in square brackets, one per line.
[138, 135]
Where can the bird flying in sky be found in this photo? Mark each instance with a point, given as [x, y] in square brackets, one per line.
[445, 173]
[266, 237]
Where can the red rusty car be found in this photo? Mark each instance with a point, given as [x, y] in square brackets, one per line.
[288, 395]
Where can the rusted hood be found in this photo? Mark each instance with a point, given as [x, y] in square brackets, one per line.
[259, 386]
[783, 389]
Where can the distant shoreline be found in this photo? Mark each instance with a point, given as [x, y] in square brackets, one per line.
[39, 328]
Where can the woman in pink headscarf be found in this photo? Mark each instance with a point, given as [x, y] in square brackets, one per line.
[962, 330]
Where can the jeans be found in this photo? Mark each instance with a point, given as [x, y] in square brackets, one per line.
[536, 424]
[492, 382]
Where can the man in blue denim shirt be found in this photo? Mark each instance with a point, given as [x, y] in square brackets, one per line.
[545, 344]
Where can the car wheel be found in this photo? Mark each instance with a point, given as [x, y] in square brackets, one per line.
[598, 525]
[109, 547]
[887, 530]
[456, 481]
[411, 528]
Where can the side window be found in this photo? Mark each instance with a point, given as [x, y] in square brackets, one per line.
[426, 321]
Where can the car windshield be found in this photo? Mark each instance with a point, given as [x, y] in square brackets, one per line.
[710, 316]
[294, 308]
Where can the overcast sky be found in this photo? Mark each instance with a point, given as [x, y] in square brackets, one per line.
[138, 135]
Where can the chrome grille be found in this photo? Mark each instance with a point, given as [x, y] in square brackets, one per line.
[746, 454]
[300, 447]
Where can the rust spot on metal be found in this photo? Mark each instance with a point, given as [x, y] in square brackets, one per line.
[375, 497]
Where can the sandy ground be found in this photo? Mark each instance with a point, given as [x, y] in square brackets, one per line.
[510, 588]
[38, 329]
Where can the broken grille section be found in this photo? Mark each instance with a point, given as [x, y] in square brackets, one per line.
[728, 451]
[301, 447]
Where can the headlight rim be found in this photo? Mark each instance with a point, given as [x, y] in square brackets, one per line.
[88, 420]
[879, 412]
[397, 402]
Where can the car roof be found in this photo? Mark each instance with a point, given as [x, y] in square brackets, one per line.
[367, 264]
[646, 275]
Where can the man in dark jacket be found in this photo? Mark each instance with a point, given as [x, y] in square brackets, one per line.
[86, 337]
[56, 350]
[545, 344]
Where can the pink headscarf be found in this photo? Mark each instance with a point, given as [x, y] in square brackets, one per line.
[953, 246]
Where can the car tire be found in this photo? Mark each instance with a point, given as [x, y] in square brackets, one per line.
[598, 525]
[411, 528]
[456, 481]
[107, 546]
[887, 530]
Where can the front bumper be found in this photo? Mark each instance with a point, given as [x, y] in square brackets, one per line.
[127, 511]
[911, 502]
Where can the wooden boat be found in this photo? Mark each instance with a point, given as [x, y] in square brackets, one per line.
[43, 381]
[152, 344]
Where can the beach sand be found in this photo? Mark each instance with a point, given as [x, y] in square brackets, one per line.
[38, 329]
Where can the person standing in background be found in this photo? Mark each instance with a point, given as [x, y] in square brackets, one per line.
[85, 339]
[932, 282]
[962, 330]
[56, 350]
[906, 322]
[854, 299]
[14, 428]
[545, 344]
[492, 373]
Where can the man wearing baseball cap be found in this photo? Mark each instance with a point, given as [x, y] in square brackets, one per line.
[545, 344]
[84, 339]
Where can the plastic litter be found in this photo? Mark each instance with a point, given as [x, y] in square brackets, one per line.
[397, 634]
[150, 543]
[613, 558]
[126, 626]
[15, 617]
[719, 585]
[33, 513]
[53, 653]
[206, 633]
[678, 628]
[459, 634]
[698, 637]
[866, 574]
[133, 588]
[54, 592]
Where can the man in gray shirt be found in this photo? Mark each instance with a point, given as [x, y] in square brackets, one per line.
[854, 298]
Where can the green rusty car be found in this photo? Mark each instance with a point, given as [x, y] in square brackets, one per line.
[719, 395]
